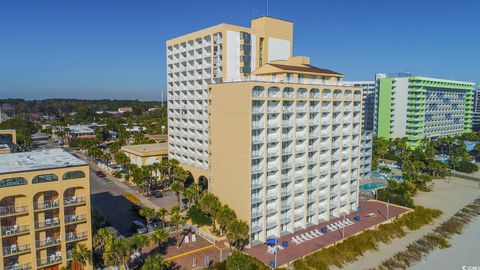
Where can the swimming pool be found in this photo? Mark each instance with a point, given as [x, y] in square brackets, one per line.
[372, 186]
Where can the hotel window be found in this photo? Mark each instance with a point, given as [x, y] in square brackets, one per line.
[274, 76]
[43, 178]
[15, 181]
[73, 175]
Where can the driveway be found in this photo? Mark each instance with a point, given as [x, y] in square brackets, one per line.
[107, 198]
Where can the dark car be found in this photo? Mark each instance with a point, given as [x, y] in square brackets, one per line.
[101, 174]
[157, 193]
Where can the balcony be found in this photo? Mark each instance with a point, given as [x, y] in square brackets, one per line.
[46, 205]
[48, 242]
[70, 219]
[25, 266]
[256, 200]
[14, 230]
[271, 210]
[271, 225]
[16, 250]
[74, 200]
[52, 260]
[13, 210]
[48, 223]
[71, 236]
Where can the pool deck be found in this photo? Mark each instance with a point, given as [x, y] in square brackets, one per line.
[294, 251]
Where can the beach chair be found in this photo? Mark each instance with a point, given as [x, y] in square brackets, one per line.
[333, 227]
[318, 232]
[194, 238]
[299, 239]
[186, 239]
[346, 223]
[330, 228]
[304, 237]
[349, 221]
[339, 225]
[314, 234]
[294, 240]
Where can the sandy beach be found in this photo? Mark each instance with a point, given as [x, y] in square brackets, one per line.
[465, 251]
[448, 196]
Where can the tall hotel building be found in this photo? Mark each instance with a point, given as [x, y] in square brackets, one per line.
[417, 107]
[277, 138]
[44, 209]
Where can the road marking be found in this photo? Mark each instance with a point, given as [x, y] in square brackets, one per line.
[190, 252]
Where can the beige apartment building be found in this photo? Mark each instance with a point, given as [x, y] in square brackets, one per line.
[146, 154]
[44, 209]
[280, 143]
[220, 53]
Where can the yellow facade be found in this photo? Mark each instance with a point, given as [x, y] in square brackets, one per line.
[41, 221]
[231, 138]
[10, 132]
[146, 154]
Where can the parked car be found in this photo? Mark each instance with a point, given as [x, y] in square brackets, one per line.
[101, 174]
[115, 230]
[138, 227]
[156, 223]
[157, 193]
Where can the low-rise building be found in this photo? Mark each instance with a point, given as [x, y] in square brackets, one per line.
[125, 109]
[146, 154]
[8, 141]
[44, 209]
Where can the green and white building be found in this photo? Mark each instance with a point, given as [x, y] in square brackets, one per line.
[418, 107]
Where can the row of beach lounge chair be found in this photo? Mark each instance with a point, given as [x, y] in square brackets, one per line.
[299, 239]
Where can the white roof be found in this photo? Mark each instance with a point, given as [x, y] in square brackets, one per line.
[38, 160]
[81, 129]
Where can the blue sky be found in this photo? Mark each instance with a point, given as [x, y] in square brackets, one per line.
[116, 48]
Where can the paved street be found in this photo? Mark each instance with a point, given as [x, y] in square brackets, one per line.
[107, 198]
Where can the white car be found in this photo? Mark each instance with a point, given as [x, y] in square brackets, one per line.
[138, 227]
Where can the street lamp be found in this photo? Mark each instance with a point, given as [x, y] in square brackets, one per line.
[388, 204]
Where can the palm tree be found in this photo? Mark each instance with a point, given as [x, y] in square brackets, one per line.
[102, 239]
[193, 193]
[81, 255]
[159, 236]
[180, 174]
[139, 241]
[148, 213]
[161, 213]
[225, 215]
[176, 219]
[210, 204]
[118, 253]
[155, 262]
[177, 187]
[237, 233]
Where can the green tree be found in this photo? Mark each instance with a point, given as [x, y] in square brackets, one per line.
[225, 216]
[178, 188]
[102, 239]
[161, 213]
[239, 261]
[81, 255]
[237, 233]
[139, 241]
[155, 262]
[210, 204]
[177, 220]
[159, 236]
[118, 253]
[148, 213]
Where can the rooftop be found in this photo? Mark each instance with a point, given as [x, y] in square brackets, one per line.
[80, 129]
[38, 160]
[147, 149]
